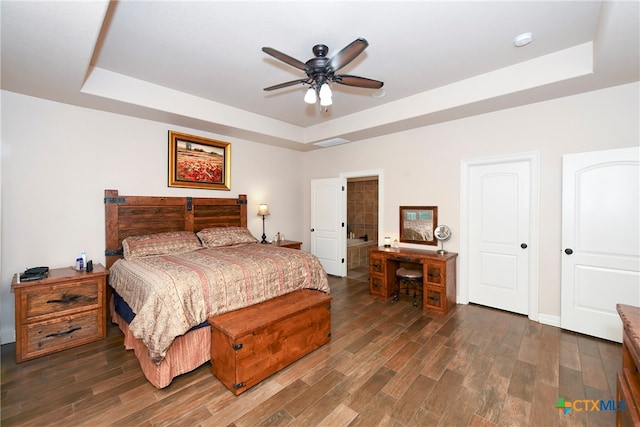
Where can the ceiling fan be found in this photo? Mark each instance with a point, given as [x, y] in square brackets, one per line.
[321, 70]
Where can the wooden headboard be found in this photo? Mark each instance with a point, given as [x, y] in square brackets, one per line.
[136, 215]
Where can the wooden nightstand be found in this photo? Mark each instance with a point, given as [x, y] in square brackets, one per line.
[288, 244]
[64, 310]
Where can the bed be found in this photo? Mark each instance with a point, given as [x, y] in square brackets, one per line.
[176, 261]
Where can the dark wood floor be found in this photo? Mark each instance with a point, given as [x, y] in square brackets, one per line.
[388, 364]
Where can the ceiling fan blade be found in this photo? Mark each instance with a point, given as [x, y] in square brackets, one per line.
[356, 81]
[347, 54]
[286, 84]
[285, 58]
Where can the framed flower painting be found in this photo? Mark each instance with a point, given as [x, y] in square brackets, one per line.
[196, 162]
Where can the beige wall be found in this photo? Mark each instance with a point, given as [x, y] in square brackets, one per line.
[57, 160]
[422, 166]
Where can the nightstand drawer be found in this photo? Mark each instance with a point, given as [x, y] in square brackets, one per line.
[59, 334]
[61, 299]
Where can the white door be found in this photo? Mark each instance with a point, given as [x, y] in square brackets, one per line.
[498, 218]
[328, 232]
[600, 240]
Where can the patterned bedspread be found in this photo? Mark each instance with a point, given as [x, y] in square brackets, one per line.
[172, 293]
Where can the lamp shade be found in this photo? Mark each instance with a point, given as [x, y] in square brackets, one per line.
[263, 210]
[310, 96]
[325, 91]
[325, 102]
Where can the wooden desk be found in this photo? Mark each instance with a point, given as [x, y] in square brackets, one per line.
[439, 274]
[628, 379]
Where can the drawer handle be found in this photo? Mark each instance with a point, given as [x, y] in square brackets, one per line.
[376, 265]
[65, 300]
[61, 334]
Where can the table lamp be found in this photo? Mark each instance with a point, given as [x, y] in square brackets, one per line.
[263, 210]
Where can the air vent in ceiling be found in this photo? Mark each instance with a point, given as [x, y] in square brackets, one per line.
[331, 142]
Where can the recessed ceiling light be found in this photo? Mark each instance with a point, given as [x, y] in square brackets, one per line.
[523, 39]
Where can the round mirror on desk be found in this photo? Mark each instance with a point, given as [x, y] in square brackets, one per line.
[442, 233]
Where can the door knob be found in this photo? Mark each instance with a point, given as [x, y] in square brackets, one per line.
[568, 251]
[523, 246]
[313, 229]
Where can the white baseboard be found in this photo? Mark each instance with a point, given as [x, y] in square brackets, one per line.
[548, 319]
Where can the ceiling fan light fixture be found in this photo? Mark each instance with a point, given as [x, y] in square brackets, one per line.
[326, 101]
[310, 96]
[325, 92]
[321, 70]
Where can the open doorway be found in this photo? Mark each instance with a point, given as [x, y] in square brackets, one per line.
[363, 206]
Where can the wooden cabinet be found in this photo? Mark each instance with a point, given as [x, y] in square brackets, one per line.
[628, 379]
[379, 282]
[64, 310]
[440, 283]
[439, 274]
[288, 244]
[252, 343]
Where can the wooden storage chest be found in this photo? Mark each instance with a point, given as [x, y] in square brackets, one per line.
[250, 344]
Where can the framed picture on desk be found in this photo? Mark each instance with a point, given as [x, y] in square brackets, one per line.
[417, 224]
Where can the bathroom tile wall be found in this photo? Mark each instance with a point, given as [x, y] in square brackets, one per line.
[362, 207]
[358, 255]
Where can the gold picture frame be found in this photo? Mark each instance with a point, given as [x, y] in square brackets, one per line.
[417, 224]
[196, 162]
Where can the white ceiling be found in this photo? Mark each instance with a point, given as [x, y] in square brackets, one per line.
[200, 65]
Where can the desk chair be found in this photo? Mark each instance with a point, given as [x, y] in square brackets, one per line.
[409, 280]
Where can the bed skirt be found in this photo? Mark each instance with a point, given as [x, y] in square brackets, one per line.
[186, 353]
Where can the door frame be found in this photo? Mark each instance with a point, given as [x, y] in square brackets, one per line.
[533, 158]
[380, 174]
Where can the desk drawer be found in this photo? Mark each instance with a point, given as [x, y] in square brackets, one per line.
[434, 274]
[377, 285]
[377, 265]
[404, 258]
[434, 299]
